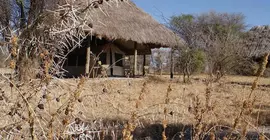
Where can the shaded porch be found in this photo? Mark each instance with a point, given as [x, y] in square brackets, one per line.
[118, 58]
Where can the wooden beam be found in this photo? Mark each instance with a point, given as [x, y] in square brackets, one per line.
[172, 64]
[135, 59]
[141, 51]
[144, 61]
[111, 62]
[88, 57]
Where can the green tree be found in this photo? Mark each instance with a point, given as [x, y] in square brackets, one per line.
[190, 61]
[219, 35]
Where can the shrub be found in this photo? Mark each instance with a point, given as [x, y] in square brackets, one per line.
[190, 61]
[248, 68]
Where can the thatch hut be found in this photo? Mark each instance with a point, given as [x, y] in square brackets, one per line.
[258, 42]
[119, 28]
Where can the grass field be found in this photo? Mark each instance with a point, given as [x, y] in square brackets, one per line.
[118, 99]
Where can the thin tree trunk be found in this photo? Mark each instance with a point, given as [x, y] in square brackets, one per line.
[184, 77]
[22, 14]
[36, 8]
[188, 74]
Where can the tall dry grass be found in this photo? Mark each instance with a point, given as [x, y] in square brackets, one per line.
[34, 110]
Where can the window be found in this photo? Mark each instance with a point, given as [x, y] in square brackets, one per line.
[118, 59]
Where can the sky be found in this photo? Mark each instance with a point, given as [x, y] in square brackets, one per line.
[257, 12]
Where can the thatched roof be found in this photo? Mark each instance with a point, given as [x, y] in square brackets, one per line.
[258, 40]
[122, 19]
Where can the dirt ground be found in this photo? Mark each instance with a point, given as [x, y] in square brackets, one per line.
[116, 98]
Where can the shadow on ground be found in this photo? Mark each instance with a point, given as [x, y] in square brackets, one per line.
[112, 130]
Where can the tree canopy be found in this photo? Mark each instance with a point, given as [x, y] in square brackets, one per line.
[218, 34]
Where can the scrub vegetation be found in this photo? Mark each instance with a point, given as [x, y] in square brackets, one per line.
[221, 91]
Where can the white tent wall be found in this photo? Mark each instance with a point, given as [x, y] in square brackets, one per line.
[117, 70]
[78, 58]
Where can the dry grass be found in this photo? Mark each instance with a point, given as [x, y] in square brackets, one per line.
[68, 108]
[120, 98]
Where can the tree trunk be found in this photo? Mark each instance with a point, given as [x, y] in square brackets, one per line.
[184, 76]
[22, 14]
[36, 8]
[27, 68]
[188, 74]
[161, 69]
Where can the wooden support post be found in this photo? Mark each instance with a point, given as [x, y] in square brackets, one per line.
[111, 61]
[88, 57]
[172, 64]
[135, 59]
[144, 61]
